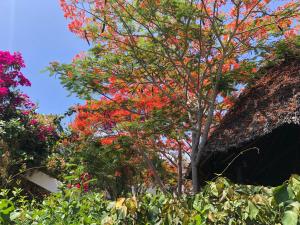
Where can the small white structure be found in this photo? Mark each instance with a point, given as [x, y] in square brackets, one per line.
[43, 180]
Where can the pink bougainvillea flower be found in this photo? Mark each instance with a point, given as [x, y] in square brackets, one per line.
[33, 122]
[3, 91]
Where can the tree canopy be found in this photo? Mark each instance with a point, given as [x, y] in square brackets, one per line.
[177, 59]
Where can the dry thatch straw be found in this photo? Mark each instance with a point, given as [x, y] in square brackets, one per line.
[273, 100]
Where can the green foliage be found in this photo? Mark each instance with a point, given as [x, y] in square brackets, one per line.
[278, 51]
[288, 197]
[88, 156]
[110, 166]
[25, 142]
[11, 203]
[6, 207]
[287, 49]
[220, 202]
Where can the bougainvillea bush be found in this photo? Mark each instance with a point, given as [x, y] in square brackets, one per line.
[220, 202]
[24, 139]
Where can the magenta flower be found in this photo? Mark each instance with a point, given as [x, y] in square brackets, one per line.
[3, 91]
[33, 122]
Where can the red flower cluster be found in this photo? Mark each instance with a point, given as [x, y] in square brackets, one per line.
[83, 183]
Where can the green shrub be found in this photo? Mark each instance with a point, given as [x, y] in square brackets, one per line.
[220, 202]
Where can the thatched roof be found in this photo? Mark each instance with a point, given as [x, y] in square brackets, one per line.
[273, 100]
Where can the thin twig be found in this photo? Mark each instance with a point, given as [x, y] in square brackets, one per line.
[238, 155]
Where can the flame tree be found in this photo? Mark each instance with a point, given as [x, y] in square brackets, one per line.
[177, 58]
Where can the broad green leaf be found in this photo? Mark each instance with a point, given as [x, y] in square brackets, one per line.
[14, 215]
[283, 193]
[290, 216]
[198, 219]
[253, 210]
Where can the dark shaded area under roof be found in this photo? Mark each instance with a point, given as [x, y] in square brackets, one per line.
[268, 161]
[266, 117]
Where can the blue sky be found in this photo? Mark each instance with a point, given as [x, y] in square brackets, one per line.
[38, 29]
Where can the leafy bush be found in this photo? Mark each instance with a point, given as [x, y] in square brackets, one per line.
[220, 202]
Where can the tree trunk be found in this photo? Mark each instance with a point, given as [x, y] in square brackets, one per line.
[200, 136]
[194, 164]
[195, 178]
[179, 168]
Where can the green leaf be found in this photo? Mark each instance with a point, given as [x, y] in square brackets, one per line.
[283, 193]
[14, 215]
[197, 219]
[290, 216]
[6, 206]
[253, 210]
[295, 186]
[214, 190]
[72, 177]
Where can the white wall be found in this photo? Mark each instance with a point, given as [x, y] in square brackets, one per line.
[43, 180]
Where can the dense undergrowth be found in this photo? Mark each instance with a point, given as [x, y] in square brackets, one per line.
[220, 202]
